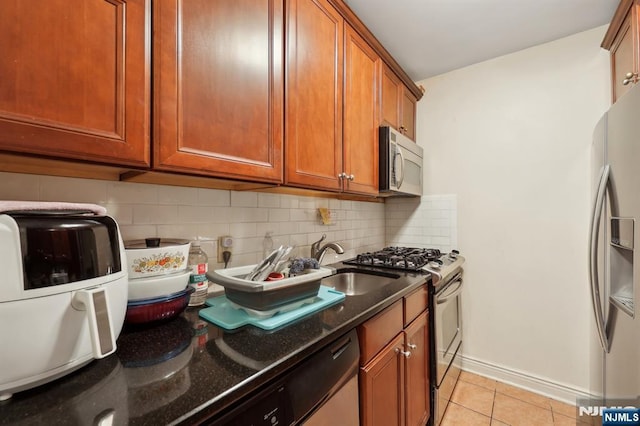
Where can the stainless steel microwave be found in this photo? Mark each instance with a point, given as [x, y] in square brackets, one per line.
[400, 164]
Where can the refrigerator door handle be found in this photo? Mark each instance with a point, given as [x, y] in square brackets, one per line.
[593, 257]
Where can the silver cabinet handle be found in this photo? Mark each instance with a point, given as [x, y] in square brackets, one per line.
[598, 205]
[412, 346]
[406, 354]
[342, 175]
[630, 77]
[351, 177]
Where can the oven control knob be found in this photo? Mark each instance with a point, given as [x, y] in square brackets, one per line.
[435, 264]
[454, 254]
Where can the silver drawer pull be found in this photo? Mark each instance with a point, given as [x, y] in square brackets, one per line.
[406, 354]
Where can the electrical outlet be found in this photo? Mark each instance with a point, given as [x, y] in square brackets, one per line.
[225, 243]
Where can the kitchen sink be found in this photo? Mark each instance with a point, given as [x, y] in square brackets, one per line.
[355, 283]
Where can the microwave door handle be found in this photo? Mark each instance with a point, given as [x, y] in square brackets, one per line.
[598, 206]
[401, 155]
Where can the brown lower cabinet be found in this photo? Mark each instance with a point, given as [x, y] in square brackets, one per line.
[394, 381]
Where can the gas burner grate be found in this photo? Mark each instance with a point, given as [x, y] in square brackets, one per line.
[400, 258]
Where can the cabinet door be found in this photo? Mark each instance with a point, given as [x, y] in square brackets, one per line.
[313, 147]
[408, 126]
[75, 79]
[417, 395]
[382, 387]
[623, 57]
[390, 94]
[218, 105]
[361, 77]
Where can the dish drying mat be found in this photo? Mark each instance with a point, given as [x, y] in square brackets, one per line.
[227, 315]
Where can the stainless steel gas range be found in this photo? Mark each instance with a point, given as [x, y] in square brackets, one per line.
[445, 315]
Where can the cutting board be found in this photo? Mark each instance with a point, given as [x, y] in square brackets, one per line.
[221, 312]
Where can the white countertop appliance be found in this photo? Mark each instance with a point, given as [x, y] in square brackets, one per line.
[63, 295]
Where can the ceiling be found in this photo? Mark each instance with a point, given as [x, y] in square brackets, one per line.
[431, 37]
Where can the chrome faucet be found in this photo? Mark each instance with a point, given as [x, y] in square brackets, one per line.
[317, 252]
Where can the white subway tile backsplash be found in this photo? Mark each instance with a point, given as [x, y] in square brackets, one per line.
[150, 214]
[243, 230]
[214, 197]
[268, 200]
[289, 202]
[144, 210]
[132, 193]
[279, 215]
[430, 221]
[244, 199]
[177, 195]
[122, 213]
[53, 188]
[204, 214]
[241, 214]
[20, 187]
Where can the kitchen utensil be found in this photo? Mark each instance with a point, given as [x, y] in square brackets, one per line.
[279, 259]
[157, 286]
[282, 262]
[262, 266]
[158, 308]
[156, 256]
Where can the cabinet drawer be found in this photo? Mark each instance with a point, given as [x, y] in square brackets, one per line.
[376, 333]
[414, 304]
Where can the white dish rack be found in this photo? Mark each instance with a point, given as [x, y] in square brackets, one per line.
[233, 278]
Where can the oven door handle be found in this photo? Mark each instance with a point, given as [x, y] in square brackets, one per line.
[452, 290]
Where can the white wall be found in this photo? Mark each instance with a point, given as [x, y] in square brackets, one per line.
[511, 137]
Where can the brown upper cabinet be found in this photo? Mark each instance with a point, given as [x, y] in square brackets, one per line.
[75, 79]
[218, 72]
[331, 102]
[361, 118]
[397, 104]
[234, 94]
[622, 40]
[313, 156]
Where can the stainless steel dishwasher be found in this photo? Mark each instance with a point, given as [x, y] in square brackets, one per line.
[323, 390]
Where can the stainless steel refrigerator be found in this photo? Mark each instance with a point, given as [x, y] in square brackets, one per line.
[614, 264]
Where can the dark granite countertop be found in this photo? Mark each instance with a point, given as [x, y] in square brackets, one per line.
[186, 370]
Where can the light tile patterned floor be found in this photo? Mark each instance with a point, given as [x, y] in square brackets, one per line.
[481, 401]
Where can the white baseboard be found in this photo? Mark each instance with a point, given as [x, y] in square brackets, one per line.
[557, 391]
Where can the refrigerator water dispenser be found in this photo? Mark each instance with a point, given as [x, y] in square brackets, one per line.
[621, 258]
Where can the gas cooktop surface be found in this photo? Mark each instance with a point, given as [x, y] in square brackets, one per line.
[400, 258]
